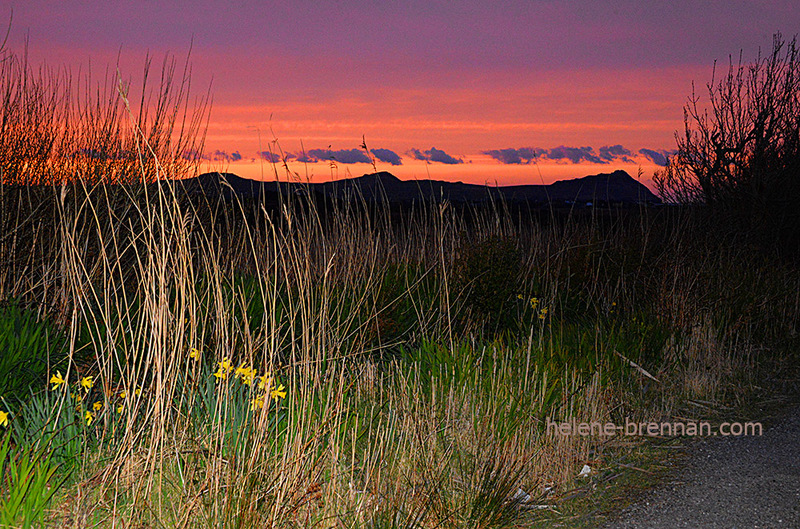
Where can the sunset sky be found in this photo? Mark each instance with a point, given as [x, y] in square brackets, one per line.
[477, 91]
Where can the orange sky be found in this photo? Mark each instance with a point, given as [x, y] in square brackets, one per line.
[634, 108]
[572, 80]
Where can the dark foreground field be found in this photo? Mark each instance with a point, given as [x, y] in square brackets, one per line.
[169, 361]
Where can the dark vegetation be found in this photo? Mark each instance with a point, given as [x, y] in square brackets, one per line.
[740, 151]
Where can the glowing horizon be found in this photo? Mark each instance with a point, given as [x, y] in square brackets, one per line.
[567, 79]
[482, 171]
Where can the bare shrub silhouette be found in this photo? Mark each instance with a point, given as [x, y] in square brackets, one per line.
[741, 152]
[58, 128]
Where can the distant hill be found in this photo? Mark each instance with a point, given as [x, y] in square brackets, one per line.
[609, 188]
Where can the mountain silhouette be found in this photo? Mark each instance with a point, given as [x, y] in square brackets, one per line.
[610, 188]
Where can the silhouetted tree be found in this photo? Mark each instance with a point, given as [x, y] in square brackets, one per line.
[741, 153]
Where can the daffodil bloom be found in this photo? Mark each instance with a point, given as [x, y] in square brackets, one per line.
[87, 383]
[56, 380]
[534, 303]
[120, 408]
[257, 403]
[89, 417]
[225, 366]
[265, 382]
[543, 313]
[247, 374]
[138, 391]
[194, 354]
[123, 394]
[97, 406]
[4, 418]
[279, 392]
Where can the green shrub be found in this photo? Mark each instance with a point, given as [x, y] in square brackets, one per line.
[27, 483]
[28, 345]
[487, 278]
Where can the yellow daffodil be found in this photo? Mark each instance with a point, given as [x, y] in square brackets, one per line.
[225, 367]
[194, 354]
[120, 408]
[4, 418]
[534, 303]
[279, 392]
[56, 380]
[97, 406]
[543, 313]
[257, 403]
[138, 391]
[247, 374]
[265, 382]
[89, 417]
[123, 394]
[87, 383]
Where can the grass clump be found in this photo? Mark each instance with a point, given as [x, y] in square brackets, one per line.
[487, 274]
[28, 345]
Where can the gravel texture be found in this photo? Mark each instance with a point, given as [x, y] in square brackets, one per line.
[729, 482]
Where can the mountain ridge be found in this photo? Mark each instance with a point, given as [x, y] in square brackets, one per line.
[616, 187]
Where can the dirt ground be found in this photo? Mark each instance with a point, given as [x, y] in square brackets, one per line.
[729, 482]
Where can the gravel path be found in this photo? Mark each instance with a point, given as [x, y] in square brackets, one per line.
[729, 482]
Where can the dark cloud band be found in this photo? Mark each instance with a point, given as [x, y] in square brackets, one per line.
[615, 152]
[434, 155]
[524, 155]
[271, 157]
[387, 156]
[222, 156]
[658, 157]
[343, 156]
[604, 155]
